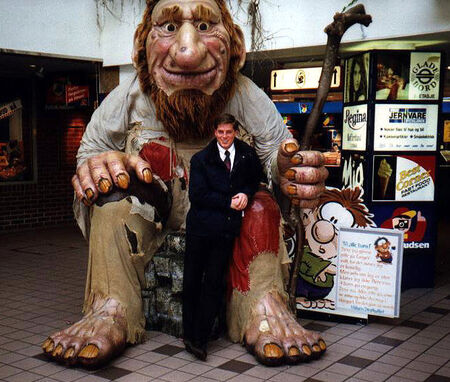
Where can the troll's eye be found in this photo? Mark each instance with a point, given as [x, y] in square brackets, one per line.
[203, 26]
[170, 27]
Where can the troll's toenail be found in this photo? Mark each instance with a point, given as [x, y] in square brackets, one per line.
[306, 349]
[322, 344]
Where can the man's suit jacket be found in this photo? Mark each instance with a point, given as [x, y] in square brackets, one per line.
[211, 188]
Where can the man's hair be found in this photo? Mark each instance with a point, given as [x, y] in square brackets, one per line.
[225, 119]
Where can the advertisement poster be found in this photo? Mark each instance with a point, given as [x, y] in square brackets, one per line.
[392, 75]
[403, 178]
[369, 271]
[424, 76]
[317, 286]
[355, 128]
[353, 170]
[405, 127]
[413, 221]
[357, 78]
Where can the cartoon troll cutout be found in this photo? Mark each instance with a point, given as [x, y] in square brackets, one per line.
[130, 186]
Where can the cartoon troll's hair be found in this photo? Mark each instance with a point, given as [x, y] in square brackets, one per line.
[351, 199]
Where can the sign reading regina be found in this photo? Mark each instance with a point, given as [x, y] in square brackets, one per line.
[355, 128]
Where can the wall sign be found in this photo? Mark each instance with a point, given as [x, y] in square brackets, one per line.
[301, 79]
[355, 128]
[424, 75]
[369, 271]
[353, 171]
[415, 222]
[403, 178]
[405, 127]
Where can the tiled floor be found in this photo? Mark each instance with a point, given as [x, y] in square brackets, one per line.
[41, 289]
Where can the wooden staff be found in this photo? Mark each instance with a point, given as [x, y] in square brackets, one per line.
[335, 31]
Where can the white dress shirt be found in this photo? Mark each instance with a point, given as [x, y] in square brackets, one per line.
[232, 152]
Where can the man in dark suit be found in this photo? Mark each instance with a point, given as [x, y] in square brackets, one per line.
[223, 177]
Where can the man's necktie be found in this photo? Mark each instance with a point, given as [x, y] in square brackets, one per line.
[227, 160]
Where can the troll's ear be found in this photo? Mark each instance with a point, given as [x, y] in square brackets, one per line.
[239, 46]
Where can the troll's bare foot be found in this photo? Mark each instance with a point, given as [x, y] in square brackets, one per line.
[274, 335]
[98, 336]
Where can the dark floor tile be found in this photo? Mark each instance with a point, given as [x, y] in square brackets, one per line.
[433, 309]
[437, 378]
[387, 341]
[355, 361]
[317, 327]
[168, 350]
[112, 373]
[414, 324]
[236, 366]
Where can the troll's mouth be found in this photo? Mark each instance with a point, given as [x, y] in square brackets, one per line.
[190, 79]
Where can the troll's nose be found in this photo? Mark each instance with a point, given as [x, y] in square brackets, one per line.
[188, 51]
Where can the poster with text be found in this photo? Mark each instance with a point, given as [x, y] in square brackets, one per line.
[403, 178]
[424, 75]
[404, 127]
[355, 128]
[353, 170]
[369, 271]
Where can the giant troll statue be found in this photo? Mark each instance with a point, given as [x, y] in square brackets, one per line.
[132, 176]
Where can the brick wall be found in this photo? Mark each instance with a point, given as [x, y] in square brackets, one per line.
[49, 201]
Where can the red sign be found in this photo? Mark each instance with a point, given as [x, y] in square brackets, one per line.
[76, 93]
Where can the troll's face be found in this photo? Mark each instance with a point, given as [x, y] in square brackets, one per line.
[188, 46]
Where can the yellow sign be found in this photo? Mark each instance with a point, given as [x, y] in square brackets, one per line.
[447, 131]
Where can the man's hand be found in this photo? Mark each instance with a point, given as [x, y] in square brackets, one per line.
[98, 173]
[302, 173]
[239, 201]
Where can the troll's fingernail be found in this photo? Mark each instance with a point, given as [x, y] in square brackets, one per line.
[291, 147]
[147, 175]
[289, 174]
[86, 202]
[89, 194]
[292, 190]
[297, 159]
[122, 181]
[104, 185]
[295, 202]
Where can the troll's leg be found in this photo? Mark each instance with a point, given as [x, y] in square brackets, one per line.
[121, 244]
[257, 309]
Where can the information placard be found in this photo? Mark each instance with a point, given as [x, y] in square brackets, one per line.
[405, 127]
[369, 271]
[355, 128]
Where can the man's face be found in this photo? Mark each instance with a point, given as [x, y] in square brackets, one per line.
[188, 46]
[225, 135]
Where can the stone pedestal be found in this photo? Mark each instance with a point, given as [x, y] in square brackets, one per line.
[164, 277]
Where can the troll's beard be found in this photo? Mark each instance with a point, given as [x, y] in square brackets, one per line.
[190, 114]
